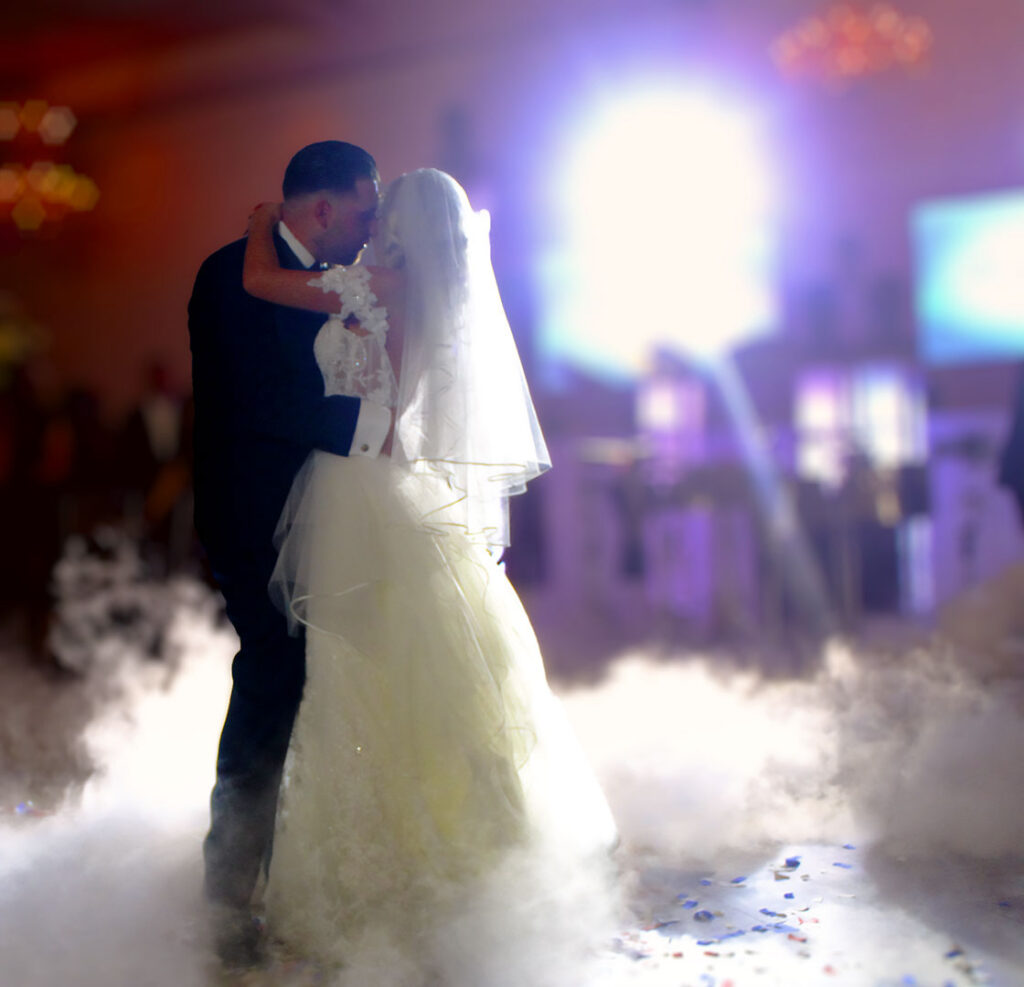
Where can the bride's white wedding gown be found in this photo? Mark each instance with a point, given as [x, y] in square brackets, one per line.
[428, 745]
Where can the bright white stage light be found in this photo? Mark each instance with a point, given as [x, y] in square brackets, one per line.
[667, 236]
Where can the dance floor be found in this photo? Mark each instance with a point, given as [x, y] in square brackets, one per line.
[819, 914]
[859, 823]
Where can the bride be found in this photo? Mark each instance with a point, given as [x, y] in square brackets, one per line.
[428, 749]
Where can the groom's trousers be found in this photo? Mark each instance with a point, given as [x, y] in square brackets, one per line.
[268, 674]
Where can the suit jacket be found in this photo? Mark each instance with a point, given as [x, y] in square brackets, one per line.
[260, 407]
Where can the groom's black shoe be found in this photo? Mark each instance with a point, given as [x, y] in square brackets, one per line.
[237, 937]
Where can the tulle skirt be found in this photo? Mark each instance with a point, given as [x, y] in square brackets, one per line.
[428, 747]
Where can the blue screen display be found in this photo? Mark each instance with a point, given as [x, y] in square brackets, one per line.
[969, 278]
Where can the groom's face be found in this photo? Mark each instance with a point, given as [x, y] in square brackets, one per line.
[349, 223]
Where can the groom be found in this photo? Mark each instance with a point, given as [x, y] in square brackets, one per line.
[260, 410]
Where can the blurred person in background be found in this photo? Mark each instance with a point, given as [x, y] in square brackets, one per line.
[41, 466]
[89, 498]
[22, 423]
[1011, 460]
[152, 433]
[154, 458]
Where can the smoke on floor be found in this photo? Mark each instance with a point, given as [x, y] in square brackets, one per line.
[916, 750]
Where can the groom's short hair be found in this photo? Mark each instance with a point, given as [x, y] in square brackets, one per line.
[332, 166]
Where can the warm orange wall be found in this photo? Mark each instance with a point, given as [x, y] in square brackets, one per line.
[178, 176]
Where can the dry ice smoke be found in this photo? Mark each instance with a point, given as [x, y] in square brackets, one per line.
[915, 749]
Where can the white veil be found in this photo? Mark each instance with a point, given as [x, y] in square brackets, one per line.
[464, 411]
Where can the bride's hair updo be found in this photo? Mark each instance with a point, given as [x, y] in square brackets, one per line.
[423, 219]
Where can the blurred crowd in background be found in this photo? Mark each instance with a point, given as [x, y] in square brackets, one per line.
[66, 471]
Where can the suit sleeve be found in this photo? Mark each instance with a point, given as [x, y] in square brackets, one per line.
[242, 378]
[327, 423]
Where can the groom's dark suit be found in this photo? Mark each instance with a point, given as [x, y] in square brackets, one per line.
[259, 411]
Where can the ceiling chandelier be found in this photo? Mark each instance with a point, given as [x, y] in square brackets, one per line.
[848, 41]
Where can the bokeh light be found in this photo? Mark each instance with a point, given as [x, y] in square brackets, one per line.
[42, 191]
[847, 41]
[28, 213]
[669, 239]
[10, 122]
[32, 113]
[57, 125]
[11, 183]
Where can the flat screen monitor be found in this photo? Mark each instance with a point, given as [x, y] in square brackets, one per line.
[969, 278]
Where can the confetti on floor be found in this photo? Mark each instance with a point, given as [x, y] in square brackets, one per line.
[843, 926]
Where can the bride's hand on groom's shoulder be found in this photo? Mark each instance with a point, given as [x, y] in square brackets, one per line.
[264, 214]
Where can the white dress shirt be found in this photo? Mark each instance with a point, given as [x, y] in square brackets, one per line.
[374, 419]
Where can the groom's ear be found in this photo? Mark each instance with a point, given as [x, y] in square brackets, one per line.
[322, 212]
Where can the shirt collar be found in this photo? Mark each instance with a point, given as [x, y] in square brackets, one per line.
[306, 259]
